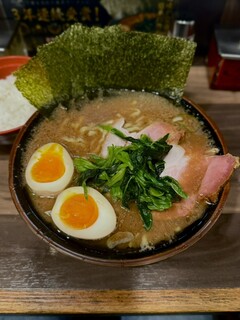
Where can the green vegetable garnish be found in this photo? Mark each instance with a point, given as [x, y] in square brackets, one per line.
[131, 174]
[83, 58]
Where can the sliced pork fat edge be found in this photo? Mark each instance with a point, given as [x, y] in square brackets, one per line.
[216, 170]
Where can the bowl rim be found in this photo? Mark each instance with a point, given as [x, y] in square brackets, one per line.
[10, 131]
[130, 262]
[14, 58]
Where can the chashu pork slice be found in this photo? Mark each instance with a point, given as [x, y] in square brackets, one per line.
[214, 173]
[200, 176]
[159, 129]
[155, 131]
[218, 172]
[176, 162]
[111, 139]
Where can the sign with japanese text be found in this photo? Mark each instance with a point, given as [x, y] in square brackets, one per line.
[48, 17]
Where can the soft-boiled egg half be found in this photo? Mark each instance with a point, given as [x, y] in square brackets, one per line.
[91, 217]
[49, 170]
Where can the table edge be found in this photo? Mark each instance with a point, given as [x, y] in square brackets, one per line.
[59, 301]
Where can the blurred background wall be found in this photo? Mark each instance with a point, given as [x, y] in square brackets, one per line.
[41, 19]
[207, 14]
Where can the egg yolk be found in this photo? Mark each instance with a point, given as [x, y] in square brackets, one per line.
[50, 167]
[79, 212]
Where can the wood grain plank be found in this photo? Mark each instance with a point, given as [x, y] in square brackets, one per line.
[26, 262]
[232, 204]
[119, 302]
[5, 149]
[197, 89]
[227, 118]
[7, 206]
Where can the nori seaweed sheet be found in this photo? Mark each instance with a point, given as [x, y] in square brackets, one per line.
[84, 58]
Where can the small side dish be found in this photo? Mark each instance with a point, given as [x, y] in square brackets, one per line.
[15, 109]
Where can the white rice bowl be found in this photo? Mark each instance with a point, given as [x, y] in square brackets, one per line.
[15, 110]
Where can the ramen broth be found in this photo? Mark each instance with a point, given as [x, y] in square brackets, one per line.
[77, 128]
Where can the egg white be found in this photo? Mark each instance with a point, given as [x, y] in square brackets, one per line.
[103, 226]
[54, 187]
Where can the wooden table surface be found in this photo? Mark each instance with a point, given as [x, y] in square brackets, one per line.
[35, 278]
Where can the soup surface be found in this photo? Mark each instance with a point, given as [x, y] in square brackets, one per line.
[77, 129]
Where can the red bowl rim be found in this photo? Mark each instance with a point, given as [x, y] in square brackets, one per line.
[16, 58]
[10, 131]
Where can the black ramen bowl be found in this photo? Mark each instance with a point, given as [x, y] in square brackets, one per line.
[82, 250]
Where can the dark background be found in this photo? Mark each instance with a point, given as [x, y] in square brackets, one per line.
[207, 13]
